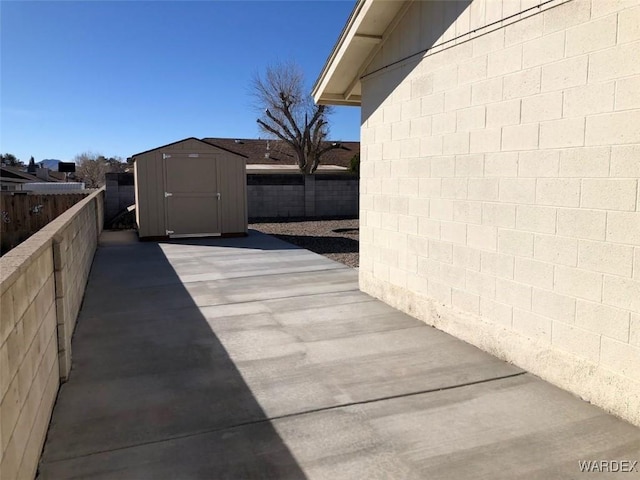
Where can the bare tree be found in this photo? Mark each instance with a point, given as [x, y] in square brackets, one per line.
[291, 116]
[92, 168]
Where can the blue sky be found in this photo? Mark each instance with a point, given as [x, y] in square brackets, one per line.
[121, 77]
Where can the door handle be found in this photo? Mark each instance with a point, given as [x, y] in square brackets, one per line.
[218, 196]
[167, 194]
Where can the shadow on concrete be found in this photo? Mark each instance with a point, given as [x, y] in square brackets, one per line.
[253, 240]
[194, 362]
[320, 244]
[301, 219]
[155, 382]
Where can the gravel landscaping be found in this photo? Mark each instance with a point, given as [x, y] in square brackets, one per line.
[336, 239]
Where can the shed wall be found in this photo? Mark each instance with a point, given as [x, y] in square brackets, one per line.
[499, 184]
[233, 194]
[150, 185]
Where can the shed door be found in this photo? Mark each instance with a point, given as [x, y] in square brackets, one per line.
[191, 195]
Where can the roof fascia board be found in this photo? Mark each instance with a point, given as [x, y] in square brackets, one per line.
[359, 12]
[350, 36]
[387, 33]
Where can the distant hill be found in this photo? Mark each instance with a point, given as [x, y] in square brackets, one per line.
[50, 163]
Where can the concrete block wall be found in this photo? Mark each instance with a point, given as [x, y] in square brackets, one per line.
[75, 242]
[336, 196]
[28, 355]
[35, 286]
[268, 195]
[293, 195]
[120, 193]
[499, 193]
[275, 200]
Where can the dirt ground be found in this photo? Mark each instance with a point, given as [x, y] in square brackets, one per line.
[336, 239]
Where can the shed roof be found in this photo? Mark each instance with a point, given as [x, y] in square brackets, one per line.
[369, 25]
[184, 140]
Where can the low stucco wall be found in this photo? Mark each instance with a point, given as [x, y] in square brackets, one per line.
[42, 282]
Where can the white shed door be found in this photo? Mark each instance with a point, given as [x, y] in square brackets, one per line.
[191, 195]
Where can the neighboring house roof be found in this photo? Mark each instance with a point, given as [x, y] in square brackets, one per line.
[184, 140]
[16, 175]
[279, 153]
[369, 25]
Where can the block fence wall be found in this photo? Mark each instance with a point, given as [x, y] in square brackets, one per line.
[268, 196]
[42, 283]
[294, 195]
[499, 192]
[120, 193]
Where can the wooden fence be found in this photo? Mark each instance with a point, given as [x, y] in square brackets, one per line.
[22, 215]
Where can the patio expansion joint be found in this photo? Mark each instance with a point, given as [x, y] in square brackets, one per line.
[208, 305]
[289, 415]
[320, 270]
[240, 277]
[274, 299]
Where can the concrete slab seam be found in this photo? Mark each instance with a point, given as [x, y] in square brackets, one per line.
[291, 415]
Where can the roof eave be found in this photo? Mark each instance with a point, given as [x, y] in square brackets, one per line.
[362, 37]
[337, 99]
[319, 88]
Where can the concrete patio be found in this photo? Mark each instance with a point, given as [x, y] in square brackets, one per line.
[251, 358]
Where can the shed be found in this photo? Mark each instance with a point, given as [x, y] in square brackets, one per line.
[190, 188]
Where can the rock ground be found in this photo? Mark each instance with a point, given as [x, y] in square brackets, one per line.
[335, 239]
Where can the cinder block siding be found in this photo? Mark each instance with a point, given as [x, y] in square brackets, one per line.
[499, 191]
[41, 288]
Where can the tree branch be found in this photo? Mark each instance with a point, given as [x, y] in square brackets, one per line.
[330, 147]
[281, 124]
[274, 131]
[290, 115]
[287, 114]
